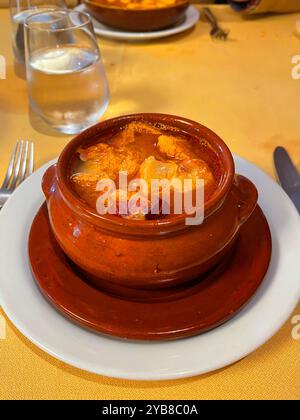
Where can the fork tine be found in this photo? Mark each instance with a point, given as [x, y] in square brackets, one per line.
[225, 34]
[24, 163]
[222, 35]
[10, 166]
[217, 34]
[16, 172]
[31, 159]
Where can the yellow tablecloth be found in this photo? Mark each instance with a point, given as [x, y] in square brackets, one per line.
[243, 90]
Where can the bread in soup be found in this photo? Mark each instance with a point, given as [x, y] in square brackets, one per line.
[142, 151]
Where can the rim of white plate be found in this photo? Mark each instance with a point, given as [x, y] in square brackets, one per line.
[35, 318]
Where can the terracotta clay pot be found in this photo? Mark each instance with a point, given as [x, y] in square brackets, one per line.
[122, 255]
[137, 20]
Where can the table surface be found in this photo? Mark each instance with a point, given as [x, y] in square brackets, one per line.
[243, 90]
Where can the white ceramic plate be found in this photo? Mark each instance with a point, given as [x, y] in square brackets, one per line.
[49, 330]
[191, 18]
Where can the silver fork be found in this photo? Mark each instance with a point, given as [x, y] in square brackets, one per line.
[20, 166]
[216, 31]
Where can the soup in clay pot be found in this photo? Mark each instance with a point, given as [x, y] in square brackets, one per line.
[119, 253]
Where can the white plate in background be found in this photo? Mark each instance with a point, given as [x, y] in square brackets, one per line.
[192, 16]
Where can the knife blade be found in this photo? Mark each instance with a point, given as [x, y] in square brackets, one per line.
[288, 175]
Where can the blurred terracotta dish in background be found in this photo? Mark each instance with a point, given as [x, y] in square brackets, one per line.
[144, 15]
[139, 4]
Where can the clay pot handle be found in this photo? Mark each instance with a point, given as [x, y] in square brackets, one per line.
[49, 180]
[247, 197]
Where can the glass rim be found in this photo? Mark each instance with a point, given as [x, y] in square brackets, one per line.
[40, 8]
[66, 11]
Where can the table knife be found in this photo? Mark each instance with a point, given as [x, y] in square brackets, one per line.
[288, 175]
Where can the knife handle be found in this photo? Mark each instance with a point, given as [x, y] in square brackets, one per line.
[286, 170]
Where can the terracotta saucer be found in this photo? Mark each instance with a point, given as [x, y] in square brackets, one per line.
[183, 312]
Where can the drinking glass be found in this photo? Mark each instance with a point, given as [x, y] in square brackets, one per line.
[19, 11]
[67, 84]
